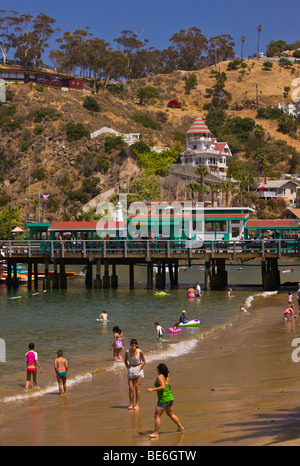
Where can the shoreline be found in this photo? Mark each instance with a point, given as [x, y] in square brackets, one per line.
[238, 387]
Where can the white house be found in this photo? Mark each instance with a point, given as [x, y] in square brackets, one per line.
[291, 109]
[130, 138]
[204, 150]
[279, 189]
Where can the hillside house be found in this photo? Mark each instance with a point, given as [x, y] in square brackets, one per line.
[202, 149]
[291, 108]
[42, 78]
[130, 138]
[279, 189]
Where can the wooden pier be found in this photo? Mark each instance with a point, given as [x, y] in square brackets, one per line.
[100, 260]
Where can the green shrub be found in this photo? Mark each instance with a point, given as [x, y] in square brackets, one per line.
[76, 131]
[113, 142]
[191, 82]
[267, 66]
[269, 113]
[45, 114]
[146, 121]
[90, 103]
[39, 174]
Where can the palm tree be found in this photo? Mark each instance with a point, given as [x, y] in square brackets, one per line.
[243, 39]
[228, 188]
[193, 189]
[259, 28]
[213, 188]
[203, 172]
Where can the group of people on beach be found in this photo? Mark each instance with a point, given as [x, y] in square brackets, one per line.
[289, 312]
[135, 361]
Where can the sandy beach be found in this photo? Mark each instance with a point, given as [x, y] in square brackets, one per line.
[238, 387]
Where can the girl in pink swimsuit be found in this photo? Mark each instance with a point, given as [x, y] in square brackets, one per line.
[32, 362]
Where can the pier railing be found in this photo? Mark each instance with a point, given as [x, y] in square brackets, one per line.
[129, 248]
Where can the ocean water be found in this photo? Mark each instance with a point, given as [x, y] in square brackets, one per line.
[94, 410]
[66, 319]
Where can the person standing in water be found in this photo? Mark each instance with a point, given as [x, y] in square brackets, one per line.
[32, 362]
[134, 361]
[118, 343]
[61, 369]
[162, 386]
[103, 316]
[159, 331]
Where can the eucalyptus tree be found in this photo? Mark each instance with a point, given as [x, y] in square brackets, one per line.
[32, 37]
[8, 24]
[132, 46]
[190, 45]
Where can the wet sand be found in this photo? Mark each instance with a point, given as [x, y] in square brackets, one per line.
[239, 387]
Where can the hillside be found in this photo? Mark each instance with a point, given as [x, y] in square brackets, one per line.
[34, 140]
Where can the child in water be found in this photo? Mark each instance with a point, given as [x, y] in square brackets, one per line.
[32, 362]
[289, 312]
[118, 343]
[103, 316]
[229, 294]
[61, 368]
[159, 331]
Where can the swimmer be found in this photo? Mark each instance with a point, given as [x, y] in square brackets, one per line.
[103, 316]
[191, 292]
[162, 293]
[183, 318]
[242, 309]
[229, 294]
[176, 326]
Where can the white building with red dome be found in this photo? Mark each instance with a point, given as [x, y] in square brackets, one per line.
[202, 149]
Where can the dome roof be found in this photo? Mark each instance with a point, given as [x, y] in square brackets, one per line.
[199, 126]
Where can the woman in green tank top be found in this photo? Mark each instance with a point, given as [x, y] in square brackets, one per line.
[162, 386]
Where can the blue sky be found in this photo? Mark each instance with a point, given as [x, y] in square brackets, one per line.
[158, 20]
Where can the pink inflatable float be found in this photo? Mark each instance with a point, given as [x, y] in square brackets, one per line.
[175, 331]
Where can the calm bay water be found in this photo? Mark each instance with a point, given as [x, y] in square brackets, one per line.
[66, 319]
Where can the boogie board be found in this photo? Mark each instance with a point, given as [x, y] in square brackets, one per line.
[101, 320]
[190, 323]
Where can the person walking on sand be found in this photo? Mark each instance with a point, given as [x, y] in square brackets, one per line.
[162, 386]
[134, 361]
[32, 362]
[118, 343]
[61, 369]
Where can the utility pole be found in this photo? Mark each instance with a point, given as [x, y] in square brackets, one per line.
[256, 96]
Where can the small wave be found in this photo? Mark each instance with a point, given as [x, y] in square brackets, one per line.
[51, 389]
[264, 294]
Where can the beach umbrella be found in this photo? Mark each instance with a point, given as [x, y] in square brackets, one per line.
[17, 230]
